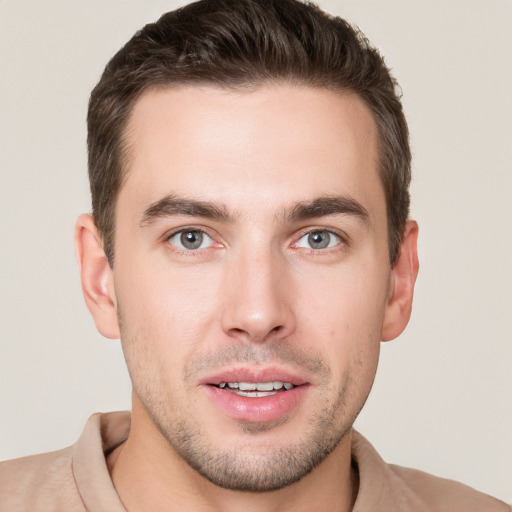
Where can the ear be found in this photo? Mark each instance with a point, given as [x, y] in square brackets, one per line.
[96, 276]
[403, 277]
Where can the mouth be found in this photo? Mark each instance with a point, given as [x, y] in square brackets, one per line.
[256, 389]
[256, 395]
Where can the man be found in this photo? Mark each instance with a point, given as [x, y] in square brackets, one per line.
[250, 245]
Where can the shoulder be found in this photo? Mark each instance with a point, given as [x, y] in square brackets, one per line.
[74, 479]
[443, 495]
[39, 483]
[384, 487]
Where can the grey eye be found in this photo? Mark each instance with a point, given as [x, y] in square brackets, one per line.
[190, 239]
[321, 239]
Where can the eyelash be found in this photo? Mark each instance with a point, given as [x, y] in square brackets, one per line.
[189, 229]
[343, 240]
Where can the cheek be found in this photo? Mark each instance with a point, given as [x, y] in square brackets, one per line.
[346, 301]
[165, 313]
[344, 313]
[165, 295]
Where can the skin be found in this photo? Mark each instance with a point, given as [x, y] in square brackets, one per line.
[255, 296]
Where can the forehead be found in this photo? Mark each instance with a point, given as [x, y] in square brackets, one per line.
[269, 146]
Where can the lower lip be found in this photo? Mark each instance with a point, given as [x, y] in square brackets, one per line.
[256, 410]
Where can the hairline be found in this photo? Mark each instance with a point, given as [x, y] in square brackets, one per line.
[243, 86]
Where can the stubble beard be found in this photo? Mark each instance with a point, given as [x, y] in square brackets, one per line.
[263, 469]
[255, 466]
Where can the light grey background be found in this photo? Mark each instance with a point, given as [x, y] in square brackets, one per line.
[443, 394]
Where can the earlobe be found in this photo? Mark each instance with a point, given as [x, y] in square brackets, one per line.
[403, 278]
[96, 277]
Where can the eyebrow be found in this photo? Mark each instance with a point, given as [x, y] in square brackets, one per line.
[328, 205]
[171, 205]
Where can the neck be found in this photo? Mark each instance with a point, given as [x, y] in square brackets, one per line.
[149, 475]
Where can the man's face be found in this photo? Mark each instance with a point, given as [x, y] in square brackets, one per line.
[251, 252]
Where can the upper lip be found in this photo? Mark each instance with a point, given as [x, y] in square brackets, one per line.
[254, 375]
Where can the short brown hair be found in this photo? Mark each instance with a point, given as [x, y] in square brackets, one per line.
[238, 44]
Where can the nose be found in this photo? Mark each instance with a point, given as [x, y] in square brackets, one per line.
[258, 298]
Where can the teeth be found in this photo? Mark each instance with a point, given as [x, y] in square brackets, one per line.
[256, 394]
[246, 386]
[257, 386]
[265, 386]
